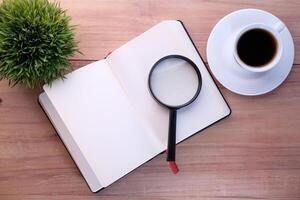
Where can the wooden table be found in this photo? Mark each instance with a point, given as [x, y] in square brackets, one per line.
[253, 154]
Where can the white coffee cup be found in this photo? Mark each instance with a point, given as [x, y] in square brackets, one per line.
[274, 30]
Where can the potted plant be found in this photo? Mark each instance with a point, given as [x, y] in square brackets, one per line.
[36, 40]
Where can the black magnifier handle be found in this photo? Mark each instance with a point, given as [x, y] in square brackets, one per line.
[172, 136]
[172, 141]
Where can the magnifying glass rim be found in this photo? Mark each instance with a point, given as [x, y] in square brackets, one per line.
[198, 76]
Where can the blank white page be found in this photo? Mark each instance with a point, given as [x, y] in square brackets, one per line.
[98, 115]
[132, 62]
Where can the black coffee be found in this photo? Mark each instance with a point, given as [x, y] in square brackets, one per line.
[257, 47]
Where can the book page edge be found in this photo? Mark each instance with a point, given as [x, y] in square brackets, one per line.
[82, 164]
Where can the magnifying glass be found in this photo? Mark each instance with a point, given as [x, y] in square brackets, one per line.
[174, 82]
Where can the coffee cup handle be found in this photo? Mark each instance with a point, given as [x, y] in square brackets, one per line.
[279, 26]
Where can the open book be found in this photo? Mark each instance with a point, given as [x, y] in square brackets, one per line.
[107, 118]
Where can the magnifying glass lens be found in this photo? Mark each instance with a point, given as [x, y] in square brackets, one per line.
[174, 82]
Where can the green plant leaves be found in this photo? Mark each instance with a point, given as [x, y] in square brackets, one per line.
[36, 40]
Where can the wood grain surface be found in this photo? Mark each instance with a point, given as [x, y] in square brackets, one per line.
[253, 154]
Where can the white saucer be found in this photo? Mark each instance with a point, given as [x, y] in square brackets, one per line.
[226, 69]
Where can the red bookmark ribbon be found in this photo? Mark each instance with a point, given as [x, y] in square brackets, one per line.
[173, 167]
